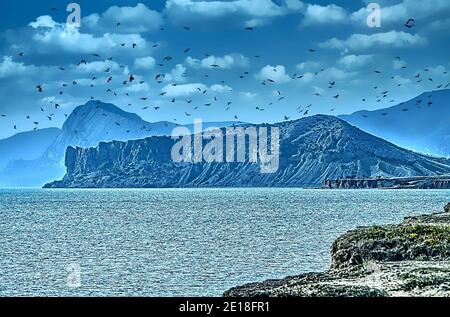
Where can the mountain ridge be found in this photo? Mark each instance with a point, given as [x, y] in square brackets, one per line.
[312, 150]
[421, 124]
[26, 145]
[86, 126]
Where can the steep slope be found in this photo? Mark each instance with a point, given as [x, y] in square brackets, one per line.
[87, 126]
[26, 146]
[421, 124]
[311, 150]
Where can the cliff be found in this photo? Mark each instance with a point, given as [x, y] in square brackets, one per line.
[312, 150]
[409, 259]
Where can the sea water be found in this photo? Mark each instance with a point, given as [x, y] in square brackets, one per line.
[180, 242]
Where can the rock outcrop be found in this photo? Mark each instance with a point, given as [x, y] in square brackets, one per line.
[312, 150]
[409, 259]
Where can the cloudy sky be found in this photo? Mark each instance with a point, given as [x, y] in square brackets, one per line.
[318, 56]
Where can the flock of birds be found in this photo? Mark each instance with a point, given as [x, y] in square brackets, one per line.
[159, 79]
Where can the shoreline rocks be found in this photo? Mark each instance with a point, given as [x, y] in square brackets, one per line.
[419, 182]
[408, 259]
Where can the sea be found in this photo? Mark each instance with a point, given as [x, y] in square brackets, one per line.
[181, 242]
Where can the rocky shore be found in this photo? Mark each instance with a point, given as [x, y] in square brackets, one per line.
[424, 182]
[408, 259]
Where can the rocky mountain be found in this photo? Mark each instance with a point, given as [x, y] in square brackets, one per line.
[312, 150]
[86, 126]
[26, 145]
[421, 124]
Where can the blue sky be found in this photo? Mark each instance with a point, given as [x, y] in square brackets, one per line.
[347, 52]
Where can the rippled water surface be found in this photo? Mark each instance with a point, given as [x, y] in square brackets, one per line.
[186, 242]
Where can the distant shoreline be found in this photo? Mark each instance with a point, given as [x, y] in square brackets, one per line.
[418, 182]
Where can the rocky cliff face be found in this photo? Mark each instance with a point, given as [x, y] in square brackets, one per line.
[312, 150]
[409, 259]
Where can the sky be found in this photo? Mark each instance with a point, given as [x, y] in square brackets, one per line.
[299, 58]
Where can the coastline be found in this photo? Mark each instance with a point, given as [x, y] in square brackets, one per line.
[409, 259]
[418, 182]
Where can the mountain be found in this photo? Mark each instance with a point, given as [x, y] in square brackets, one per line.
[312, 150]
[86, 126]
[26, 145]
[421, 124]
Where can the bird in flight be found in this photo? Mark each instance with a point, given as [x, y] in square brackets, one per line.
[410, 23]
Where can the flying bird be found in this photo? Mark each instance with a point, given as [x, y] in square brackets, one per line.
[410, 23]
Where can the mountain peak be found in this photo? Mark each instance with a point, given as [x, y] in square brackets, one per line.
[94, 106]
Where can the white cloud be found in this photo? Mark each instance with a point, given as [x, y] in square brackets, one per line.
[365, 41]
[97, 67]
[147, 62]
[67, 38]
[253, 23]
[401, 80]
[275, 73]
[405, 10]
[189, 9]
[135, 88]
[317, 14]
[138, 19]
[44, 21]
[224, 62]
[295, 5]
[10, 68]
[248, 94]
[186, 90]
[355, 61]
[220, 88]
[308, 65]
[178, 74]
[327, 75]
